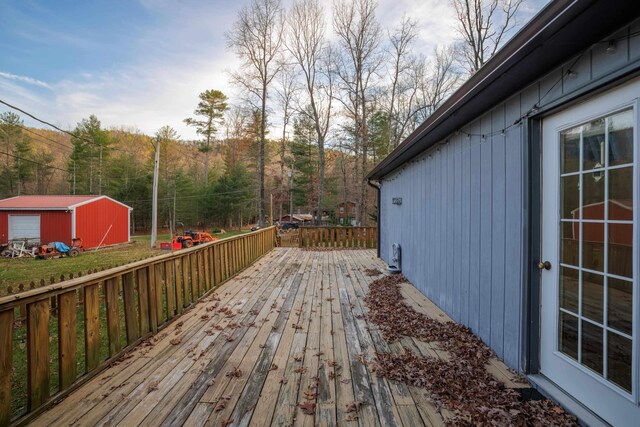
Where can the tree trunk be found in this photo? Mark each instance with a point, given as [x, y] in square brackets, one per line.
[263, 125]
[320, 179]
[206, 161]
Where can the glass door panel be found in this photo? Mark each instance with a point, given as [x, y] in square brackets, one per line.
[595, 319]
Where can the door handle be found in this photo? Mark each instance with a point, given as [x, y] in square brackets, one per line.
[544, 265]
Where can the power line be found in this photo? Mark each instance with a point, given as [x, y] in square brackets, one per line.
[33, 161]
[74, 135]
[46, 138]
[194, 196]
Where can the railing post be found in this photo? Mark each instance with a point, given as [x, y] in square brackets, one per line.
[143, 301]
[92, 326]
[113, 320]
[151, 286]
[6, 357]
[171, 289]
[37, 353]
[67, 345]
[130, 319]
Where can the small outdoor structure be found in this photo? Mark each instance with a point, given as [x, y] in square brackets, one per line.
[300, 218]
[98, 220]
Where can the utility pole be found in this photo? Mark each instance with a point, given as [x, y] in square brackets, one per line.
[290, 197]
[173, 218]
[271, 208]
[154, 207]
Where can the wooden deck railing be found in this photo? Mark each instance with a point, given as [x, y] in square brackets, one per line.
[338, 237]
[101, 315]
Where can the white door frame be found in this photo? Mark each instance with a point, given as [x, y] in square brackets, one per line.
[604, 398]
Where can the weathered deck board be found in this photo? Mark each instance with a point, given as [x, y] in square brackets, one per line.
[293, 309]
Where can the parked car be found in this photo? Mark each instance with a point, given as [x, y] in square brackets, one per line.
[255, 228]
[289, 226]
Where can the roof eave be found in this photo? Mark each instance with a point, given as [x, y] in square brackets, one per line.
[519, 63]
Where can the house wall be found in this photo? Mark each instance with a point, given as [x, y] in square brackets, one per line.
[463, 218]
[102, 219]
[55, 226]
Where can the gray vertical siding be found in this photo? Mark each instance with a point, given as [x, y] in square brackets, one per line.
[462, 223]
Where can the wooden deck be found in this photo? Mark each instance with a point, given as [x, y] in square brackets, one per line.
[289, 328]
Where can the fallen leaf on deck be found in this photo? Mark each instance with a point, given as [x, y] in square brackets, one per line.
[301, 370]
[237, 373]
[310, 394]
[273, 367]
[354, 406]
[176, 341]
[308, 408]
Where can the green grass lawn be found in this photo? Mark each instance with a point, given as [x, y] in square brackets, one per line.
[14, 272]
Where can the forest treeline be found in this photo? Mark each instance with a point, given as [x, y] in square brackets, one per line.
[323, 95]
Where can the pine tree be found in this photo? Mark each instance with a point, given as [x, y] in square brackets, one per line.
[211, 109]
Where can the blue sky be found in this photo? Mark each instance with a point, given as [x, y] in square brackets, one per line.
[141, 63]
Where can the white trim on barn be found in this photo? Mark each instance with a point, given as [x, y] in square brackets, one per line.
[34, 209]
[73, 223]
[95, 199]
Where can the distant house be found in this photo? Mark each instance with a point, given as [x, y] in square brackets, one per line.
[298, 218]
[515, 205]
[346, 213]
[98, 220]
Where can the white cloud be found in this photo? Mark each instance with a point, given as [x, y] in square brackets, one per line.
[177, 60]
[24, 79]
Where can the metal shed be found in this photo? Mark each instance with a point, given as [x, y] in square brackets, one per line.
[519, 206]
[98, 220]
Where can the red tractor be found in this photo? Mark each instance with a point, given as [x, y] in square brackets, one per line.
[191, 238]
[59, 249]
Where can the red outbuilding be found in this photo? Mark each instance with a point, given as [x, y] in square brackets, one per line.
[97, 220]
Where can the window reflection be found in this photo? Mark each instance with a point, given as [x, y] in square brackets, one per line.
[619, 360]
[620, 127]
[596, 245]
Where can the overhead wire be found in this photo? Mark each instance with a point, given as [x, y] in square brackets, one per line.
[45, 137]
[72, 134]
[33, 161]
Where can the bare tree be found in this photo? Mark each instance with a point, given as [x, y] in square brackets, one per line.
[404, 85]
[286, 90]
[359, 59]
[310, 50]
[483, 25]
[256, 37]
[437, 80]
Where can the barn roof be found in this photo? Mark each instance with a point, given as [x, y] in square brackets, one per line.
[49, 202]
[558, 32]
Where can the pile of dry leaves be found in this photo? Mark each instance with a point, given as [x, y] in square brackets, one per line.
[329, 249]
[461, 384]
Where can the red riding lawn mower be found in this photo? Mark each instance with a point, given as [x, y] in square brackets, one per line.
[59, 249]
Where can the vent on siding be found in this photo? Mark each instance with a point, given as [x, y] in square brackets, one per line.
[395, 266]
